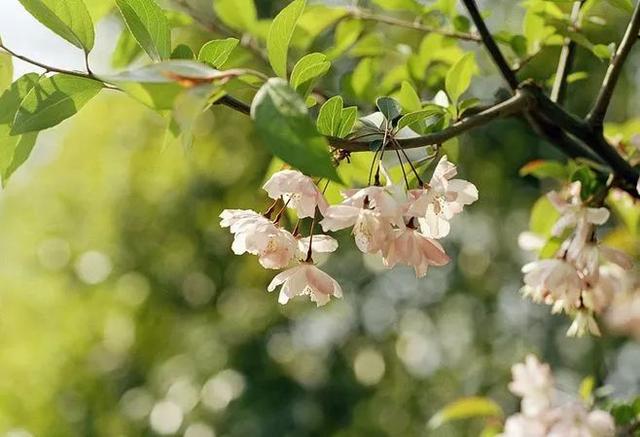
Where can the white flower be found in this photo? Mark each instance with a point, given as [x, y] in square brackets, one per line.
[520, 425]
[533, 382]
[372, 211]
[551, 280]
[320, 244]
[444, 197]
[574, 420]
[414, 249]
[574, 213]
[305, 279]
[297, 191]
[255, 234]
[583, 322]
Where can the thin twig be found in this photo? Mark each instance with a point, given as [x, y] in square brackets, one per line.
[360, 14]
[597, 114]
[49, 68]
[491, 46]
[565, 63]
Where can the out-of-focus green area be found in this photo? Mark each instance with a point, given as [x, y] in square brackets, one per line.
[123, 311]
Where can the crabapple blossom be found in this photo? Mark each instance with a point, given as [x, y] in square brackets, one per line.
[533, 382]
[255, 234]
[573, 212]
[409, 246]
[305, 279]
[297, 191]
[541, 417]
[444, 197]
[551, 280]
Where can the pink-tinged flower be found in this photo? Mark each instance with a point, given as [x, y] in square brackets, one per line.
[387, 201]
[436, 205]
[305, 279]
[297, 191]
[370, 229]
[574, 420]
[255, 234]
[320, 244]
[532, 380]
[520, 425]
[414, 249]
[551, 280]
[574, 213]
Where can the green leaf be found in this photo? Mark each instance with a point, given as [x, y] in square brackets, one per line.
[188, 106]
[53, 100]
[69, 19]
[158, 85]
[604, 52]
[149, 26]
[280, 35]
[127, 50]
[307, 70]
[400, 5]
[544, 169]
[409, 98]
[346, 35]
[217, 51]
[14, 149]
[348, 119]
[183, 51]
[625, 5]
[6, 70]
[330, 115]
[389, 107]
[283, 124]
[543, 217]
[238, 14]
[466, 408]
[459, 77]
[314, 20]
[417, 116]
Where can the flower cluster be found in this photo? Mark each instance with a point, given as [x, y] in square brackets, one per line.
[401, 225]
[582, 278]
[541, 416]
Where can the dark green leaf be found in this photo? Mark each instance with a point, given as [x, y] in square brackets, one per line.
[417, 116]
[389, 107]
[53, 100]
[183, 51]
[68, 18]
[283, 124]
[217, 51]
[280, 35]
[149, 25]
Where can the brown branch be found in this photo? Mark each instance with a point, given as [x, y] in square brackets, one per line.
[565, 63]
[491, 46]
[49, 68]
[520, 102]
[597, 114]
[363, 15]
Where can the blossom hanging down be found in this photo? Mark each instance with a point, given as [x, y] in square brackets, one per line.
[411, 247]
[542, 416]
[577, 280]
[445, 197]
[255, 234]
[296, 190]
[305, 279]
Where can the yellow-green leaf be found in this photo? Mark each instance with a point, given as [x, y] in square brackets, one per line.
[459, 77]
[280, 35]
[149, 26]
[466, 408]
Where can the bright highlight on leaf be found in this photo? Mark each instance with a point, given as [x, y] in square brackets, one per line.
[459, 77]
[280, 35]
[466, 408]
[307, 70]
[53, 100]
[149, 26]
[67, 18]
[217, 51]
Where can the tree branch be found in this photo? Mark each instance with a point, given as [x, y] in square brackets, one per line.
[565, 63]
[597, 114]
[488, 41]
[520, 102]
[48, 68]
[360, 14]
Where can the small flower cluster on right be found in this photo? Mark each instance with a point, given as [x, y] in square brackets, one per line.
[584, 276]
[541, 416]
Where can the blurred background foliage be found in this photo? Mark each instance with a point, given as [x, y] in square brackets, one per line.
[124, 312]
